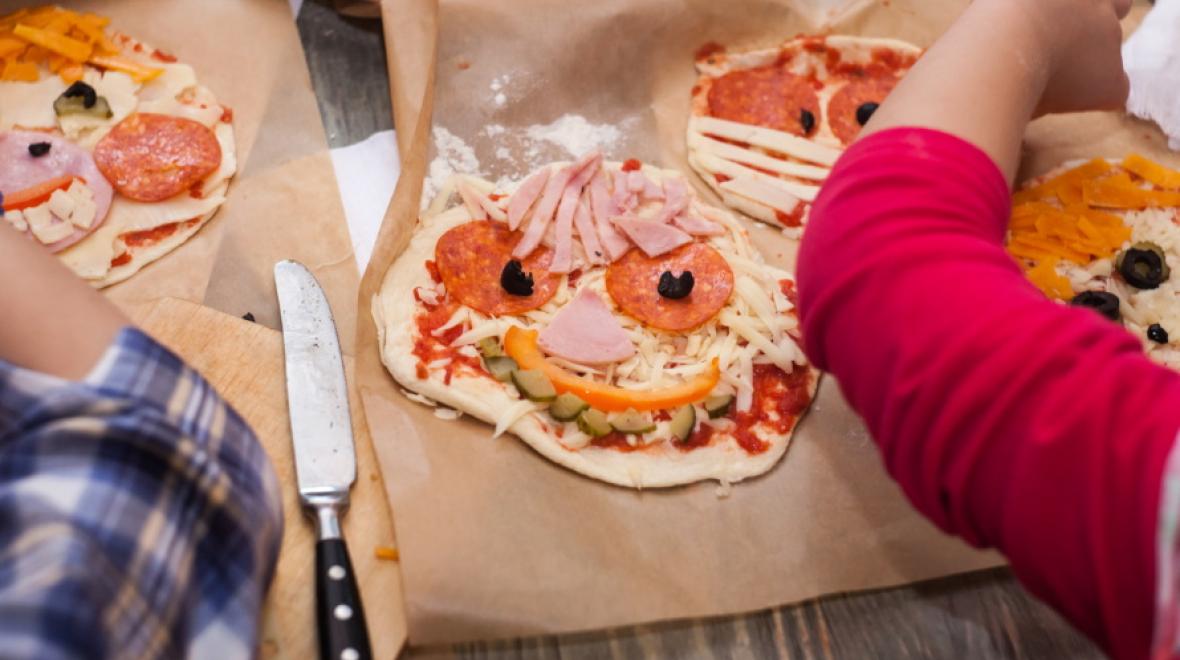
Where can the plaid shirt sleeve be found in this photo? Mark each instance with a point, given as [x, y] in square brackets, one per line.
[139, 516]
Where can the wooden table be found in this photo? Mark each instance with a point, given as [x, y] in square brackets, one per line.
[980, 615]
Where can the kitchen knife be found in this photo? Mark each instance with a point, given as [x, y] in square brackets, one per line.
[325, 456]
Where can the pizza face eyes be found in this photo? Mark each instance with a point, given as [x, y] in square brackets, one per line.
[1143, 266]
[865, 112]
[674, 287]
[1103, 302]
[853, 105]
[771, 97]
[1156, 333]
[807, 121]
[515, 280]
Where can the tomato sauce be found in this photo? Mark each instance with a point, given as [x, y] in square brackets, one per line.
[792, 219]
[429, 348]
[121, 260]
[432, 268]
[154, 235]
[615, 440]
[227, 114]
[631, 165]
[708, 49]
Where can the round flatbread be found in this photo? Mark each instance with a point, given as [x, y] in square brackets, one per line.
[149, 157]
[708, 387]
[766, 126]
[471, 258]
[140, 153]
[633, 283]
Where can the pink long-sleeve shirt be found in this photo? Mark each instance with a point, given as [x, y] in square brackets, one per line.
[1009, 420]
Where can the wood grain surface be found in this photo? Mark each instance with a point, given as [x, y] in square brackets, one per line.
[980, 615]
[244, 362]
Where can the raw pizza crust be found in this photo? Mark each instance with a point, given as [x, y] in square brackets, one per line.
[809, 158]
[394, 309]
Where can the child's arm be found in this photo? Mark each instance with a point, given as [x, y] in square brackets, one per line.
[53, 322]
[1009, 420]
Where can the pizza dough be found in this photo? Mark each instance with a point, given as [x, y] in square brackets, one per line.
[113, 152]
[1106, 234]
[766, 126]
[733, 336]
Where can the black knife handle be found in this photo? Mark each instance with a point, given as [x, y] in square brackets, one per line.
[339, 614]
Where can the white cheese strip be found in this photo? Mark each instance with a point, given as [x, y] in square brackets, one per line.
[229, 159]
[758, 270]
[779, 357]
[30, 105]
[481, 331]
[766, 138]
[758, 300]
[736, 171]
[757, 158]
[511, 414]
[62, 204]
[756, 191]
[755, 210]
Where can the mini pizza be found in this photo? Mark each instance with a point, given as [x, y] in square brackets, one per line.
[111, 152]
[767, 125]
[1106, 235]
[603, 314]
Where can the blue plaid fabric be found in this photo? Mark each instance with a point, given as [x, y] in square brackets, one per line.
[139, 516]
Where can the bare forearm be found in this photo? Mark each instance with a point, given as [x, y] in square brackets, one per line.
[52, 321]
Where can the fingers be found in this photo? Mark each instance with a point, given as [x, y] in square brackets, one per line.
[1122, 8]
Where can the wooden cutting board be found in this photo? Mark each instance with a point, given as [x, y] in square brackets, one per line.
[244, 362]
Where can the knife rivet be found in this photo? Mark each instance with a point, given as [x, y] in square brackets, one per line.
[349, 654]
[336, 572]
[342, 613]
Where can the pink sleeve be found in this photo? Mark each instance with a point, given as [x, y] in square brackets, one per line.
[1011, 421]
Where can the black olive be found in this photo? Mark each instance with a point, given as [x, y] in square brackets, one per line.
[89, 96]
[1106, 304]
[865, 112]
[515, 280]
[1156, 333]
[807, 121]
[1143, 266]
[674, 287]
[38, 149]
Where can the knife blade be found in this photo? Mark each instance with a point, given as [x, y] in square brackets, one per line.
[325, 454]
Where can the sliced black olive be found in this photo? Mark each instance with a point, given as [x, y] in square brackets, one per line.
[807, 120]
[38, 149]
[865, 112]
[85, 92]
[515, 280]
[1143, 265]
[1103, 302]
[1156, 333]
[674, 287]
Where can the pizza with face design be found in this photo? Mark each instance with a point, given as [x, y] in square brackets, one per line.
[604, 315]
[768, 125]
[111, 153]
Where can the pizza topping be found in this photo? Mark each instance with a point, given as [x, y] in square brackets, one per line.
[1152, 172]
[39, 149]
[654, 238]
[718, 405]
[489, 347]
[854, 103]
[521, 344]
[514, 280]
[594, 423]
[697, 226]
[1156, 333]
[633, 283]
[61, 41]
[683, 423]
[150, 157]
[471, 259]
[501, 367]
[632, 422]
[807, 121]
[614, 243]
[81, 99]
[631, 165]
[525, 196]
[586, 332]
[1143, 265]
[1105, 303]
[554, 193]
[772, 97]
[675, 287]
[564, 224]
[534, 385]
[588, 234]
[567, 407]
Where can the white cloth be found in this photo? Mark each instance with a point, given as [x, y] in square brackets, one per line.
[366, 173]
[1152, 60]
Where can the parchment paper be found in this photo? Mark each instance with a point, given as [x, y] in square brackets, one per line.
[495, 540]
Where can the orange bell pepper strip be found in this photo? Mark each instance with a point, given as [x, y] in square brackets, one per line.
[36, 195]
[521, 345]
[68, 47]
[1152, 172]
[140, 73]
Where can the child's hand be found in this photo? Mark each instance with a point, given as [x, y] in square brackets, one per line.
[1082, 51]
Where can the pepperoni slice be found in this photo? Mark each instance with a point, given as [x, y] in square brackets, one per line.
[842, 109]
[150, 157]
[769, 96]
[633, 282]
[470, 259]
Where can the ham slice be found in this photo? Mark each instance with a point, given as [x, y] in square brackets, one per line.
[543, 213]
[654, 238]
[20, 170]
[470, 199]
[588, 233]
[622, 200]
[586, 332]
[675, 200]
[614, 242]
[697, 226]
[636, 182]
[581, 171]
[528, 192]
